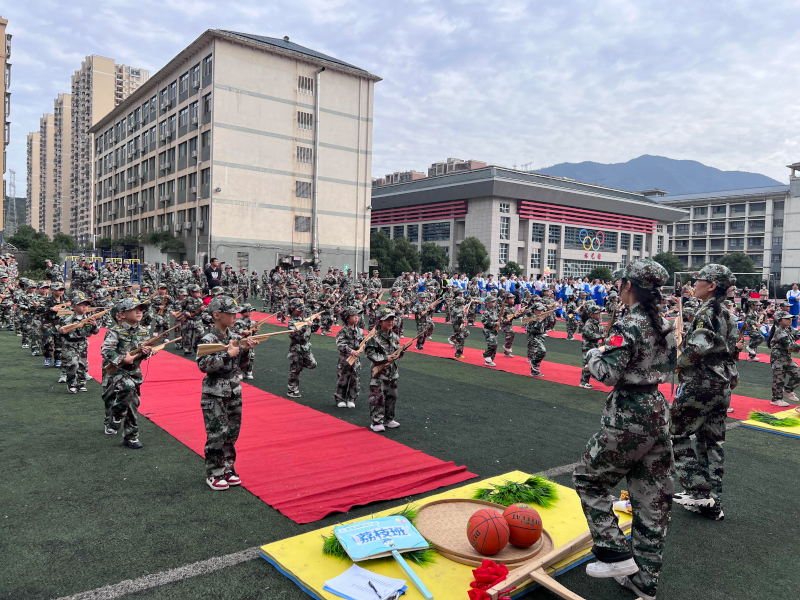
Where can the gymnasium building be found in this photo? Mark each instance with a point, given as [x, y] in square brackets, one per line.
[548, 225]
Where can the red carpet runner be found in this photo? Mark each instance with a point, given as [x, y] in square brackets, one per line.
[302, 462]
[554, 372]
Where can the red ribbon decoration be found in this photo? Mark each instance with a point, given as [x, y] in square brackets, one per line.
[486, 576]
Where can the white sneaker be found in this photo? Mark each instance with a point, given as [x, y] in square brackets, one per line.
[451, 342]
[780, 402]
[248, 376]
[489, 362]
[587, 386]
[392, 424]
[351, 404]
[73, 390]
[377, 428]
[629, 585]
[753, 358]
[217, 484]
[686, 499]
[730, 409]
[791, 396]
[341, 405]
[616, 569]
[62, 378]
[89, 377]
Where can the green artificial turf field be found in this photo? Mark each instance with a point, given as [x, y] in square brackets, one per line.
[79, 511]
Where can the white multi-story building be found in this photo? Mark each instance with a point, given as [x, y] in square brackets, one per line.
[545, 224]
[250, 149]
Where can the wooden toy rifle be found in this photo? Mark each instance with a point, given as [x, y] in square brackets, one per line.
[191, 315]
[65, 312]
[84, 322]
[306, 322]
[544, 315]
[206, 349]
[351, 360]
[256, 326]
[431, 306]
[612, 319]
[153, 341]
[500, 317]
[466, 313]
[164, 302]
[393, 357]
[160, 347]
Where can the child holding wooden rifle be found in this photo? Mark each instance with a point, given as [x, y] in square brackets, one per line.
[752, 324]
[383, 384]
[422, 315]
[299, 356]
[536, 330]
[785, 372]
[348, 371]
[192, 325]
[459, 316]
[123, 386]
[592, 334]
[489, 320]
[75, 349]
[221, 399]
[244, 328]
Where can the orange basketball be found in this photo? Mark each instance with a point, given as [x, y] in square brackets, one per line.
[487, 531]
[524, 524]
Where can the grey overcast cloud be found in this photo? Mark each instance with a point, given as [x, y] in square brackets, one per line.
[508, 82]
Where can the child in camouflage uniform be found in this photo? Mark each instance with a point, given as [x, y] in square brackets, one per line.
[489, 320]
[192, 326]
[299, 356]
[536, 331]
[75, 352]
[592, 334]
[244, 328]
[634, 441]
[6, 302]
[383, 385]
[160, 308]
[459, 318]
[507, 324]
[396, 304]
[221, 399]
[348, 340]
[572, 321]
[50, 340]
[785, 372]
[423, 319]
[752, 325]
[123, 387]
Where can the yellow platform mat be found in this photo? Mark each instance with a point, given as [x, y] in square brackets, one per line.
[300, 558]
[787, 431]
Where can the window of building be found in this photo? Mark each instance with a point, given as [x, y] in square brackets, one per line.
[536, 259]
[700, 211]
[436, 232]
[758, 259]
[718, 244]
[207, 104]
[581, 268]
[181, 184]
[682, 229]
[503, 257]
[505, 228]
[205, 177]
[505, 207]
[698, 260]
[660, 245]
[182, 150]
[637, 243]
[735, 243]
[719, 211]
[207, 66]
[387, 230]
[305, 155]
[554, 234]
[738, 209]
[192, 145]
[699, 245]
[758, 208]
[718, 227]
[305, 120]
[537, 232]
[777, 241]
[171, 126]
[682, 245]
[700, 228]
[302, 189]
[184, 83]
[164, 98]
[193, 108]
[551, 258]
[196, 76]
[778, 205]
[755, 243]
[776, 259]
[183, 117]
[205, 139]
[173, 92]
[302, 224]
[735, 226]
[398, 231]
[755, 226]
[625, 240]
[305, 85]
[777, 222]
[413, 233]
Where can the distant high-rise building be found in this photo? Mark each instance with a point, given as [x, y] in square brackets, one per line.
[97, 87]
[398, 177]
[46, 170]
[62, 156]
[5, 52]
[454, 165]
[34, 180]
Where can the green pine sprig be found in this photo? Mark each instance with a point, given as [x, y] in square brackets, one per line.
[534, 490]
[770, 419]
[331, 546]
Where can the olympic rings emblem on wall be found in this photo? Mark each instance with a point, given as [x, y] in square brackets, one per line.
[589, 242]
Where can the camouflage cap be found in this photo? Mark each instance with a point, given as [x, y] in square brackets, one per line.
[719, 274]
[508, 295]
[613, 294]
[490, 298]
[782, 314]
[195, 267]
[3, 274]
[583, 293]
[245, 308]
[688, 312]
[358, 290]
[79, 298]
[785, 303]
[538, 306]
[186, 262]
[57, 285]
[754, 301]
[228, 267]
[129, 304]
[98, 284]
[385, 313]
[223, 304]
[396, 289]
[183, 292]
[162, 286]
[347, 312]
[459, 300]
[126, 262]
[146, 265]
[47, 260]
[593, 309]
[144, 285]
[645, 273]
[194, 288]
[217, 290]
[423, 294]
[296, 304]
[728, 303]
[43, 284]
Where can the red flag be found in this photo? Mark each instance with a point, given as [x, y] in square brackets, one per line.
[616, 341]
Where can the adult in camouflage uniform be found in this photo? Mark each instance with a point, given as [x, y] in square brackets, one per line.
[279, 301]
[198, 278]
[39, 297]
[149, 276]
[459, 317]
[489, 318]
[375, 282]
[191, 323]
[244, 328]
[633, 441]
[300, 356]
[123, 387]
[50, 339]
[592, 334]
[448, 294]
[53, 272]
[423, 318]
[254, 284]
[6, 302]
[707, 374]
[507, 323]
[785, 372]
[752, 325]
[75, 353]
[348, 341]
[536, 331]
[221, 399]
[383, 385]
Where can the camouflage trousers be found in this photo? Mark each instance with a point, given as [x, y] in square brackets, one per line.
[572, 327]
[50, 342]
[326, 322]
[424, 331]
[509, 334]
[243, 294]
[472, 313]
[7, 315]
[491, 343]
[147, 319]
[161, 323]
[373, 320]
[223, 420]
[191, 332]
[348, 381]
[398, 326]
[18, 320]
[785, 378]
[382, 400]
[35, 334]
[75, 364]
[585, 375]
[297, 362]
[645, 460]
[536, 352]
[460, 334]
[756, 339]
[700, 410]
[25, 321]
[124, 400]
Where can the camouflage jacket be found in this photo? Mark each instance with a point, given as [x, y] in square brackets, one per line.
[120, 340]
[458, 315]
[47, 315]
[375, 284]
[490, 318]
[571, 308]
[299, 339]
[160, 302]
[592, 334]
[708, 353]
[378, 348]
[349, 338]
[243, 281]
[223, 373]
[192, 308]
[420, 308]
[78, 339]
[473, 292]
[54, 274]
[8, 292]
[242, 324]
[782, 342]
[229, 282]
[538, 327]
[751, 321]
[396, 305]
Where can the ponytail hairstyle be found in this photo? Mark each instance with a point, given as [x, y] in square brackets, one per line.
[716, 302]
[650, 300]
[771, 333]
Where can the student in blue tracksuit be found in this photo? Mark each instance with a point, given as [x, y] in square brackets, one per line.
[599, 293]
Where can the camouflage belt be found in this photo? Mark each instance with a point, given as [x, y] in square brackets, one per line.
[649, 388]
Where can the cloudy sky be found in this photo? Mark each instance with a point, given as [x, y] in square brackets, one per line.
[508, 82]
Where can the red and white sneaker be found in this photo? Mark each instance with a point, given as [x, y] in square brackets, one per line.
[232, 478]
[218, 484]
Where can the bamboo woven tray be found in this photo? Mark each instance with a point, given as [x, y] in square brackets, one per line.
[444, 524]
